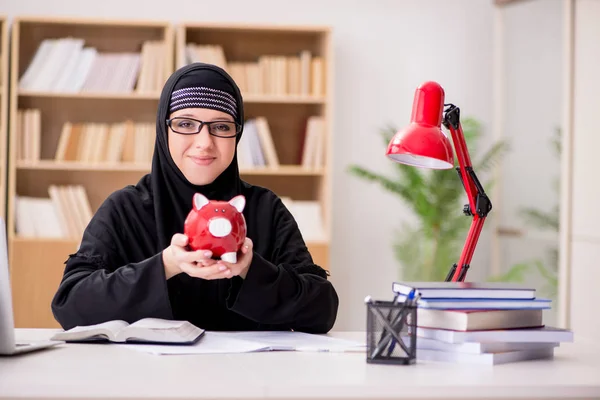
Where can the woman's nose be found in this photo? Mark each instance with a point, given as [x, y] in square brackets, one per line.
[203, 139]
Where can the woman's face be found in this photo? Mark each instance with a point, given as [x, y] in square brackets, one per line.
[201, 157]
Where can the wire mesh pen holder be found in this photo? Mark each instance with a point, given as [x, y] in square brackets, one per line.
[391, 332]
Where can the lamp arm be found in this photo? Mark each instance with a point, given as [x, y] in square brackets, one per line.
[479, 204]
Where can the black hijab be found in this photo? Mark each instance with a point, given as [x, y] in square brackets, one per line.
[172, 192]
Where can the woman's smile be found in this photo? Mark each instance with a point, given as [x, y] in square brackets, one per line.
[202, 160]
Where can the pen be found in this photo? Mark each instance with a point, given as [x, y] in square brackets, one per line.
[389, 316]
[407, 304]
[410, 302]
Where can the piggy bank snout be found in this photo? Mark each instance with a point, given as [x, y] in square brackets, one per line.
[219, 227]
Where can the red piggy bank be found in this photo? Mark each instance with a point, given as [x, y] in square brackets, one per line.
[218, 226]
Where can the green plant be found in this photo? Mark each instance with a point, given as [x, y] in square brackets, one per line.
[427, 250]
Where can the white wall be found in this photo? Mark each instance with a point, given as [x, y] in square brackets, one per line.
[384, 49]
[532, 111]
[584, 213]
[533, 65]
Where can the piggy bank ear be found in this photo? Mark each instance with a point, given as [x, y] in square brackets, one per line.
[199, 201]
[239, 202]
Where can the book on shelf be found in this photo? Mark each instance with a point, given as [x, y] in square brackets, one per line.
[146, 330]
[153, 71]
[206, 53]
[114, 143]
[37, 217]
[29, 130]
[64, 214]
[313, 143]
[257, 149]
[308, 216]
[67, 65]
[472, 290]
[302, 74]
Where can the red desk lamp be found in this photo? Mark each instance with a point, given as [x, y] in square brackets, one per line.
[423, 144]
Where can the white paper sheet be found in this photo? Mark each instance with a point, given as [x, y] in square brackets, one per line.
[209, 343]
[245, 342]
[298, 341]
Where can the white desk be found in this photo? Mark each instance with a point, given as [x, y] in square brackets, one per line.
[109, 371]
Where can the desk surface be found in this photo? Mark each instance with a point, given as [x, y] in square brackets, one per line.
[108, 371]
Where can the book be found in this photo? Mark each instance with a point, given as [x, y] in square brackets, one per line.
[471, 320]
[467, 290]
[146, 330]
[502, 357]
[481, 347]
[544, 334]
[481, 304]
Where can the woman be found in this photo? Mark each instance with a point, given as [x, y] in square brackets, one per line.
[133, 261]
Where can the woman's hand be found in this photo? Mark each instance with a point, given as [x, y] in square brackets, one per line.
[243, 261]
[198, 263]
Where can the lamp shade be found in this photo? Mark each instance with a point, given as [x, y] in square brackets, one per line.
[423, 143]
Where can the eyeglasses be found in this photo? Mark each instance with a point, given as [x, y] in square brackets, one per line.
[191, 126]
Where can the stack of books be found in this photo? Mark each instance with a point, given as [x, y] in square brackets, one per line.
[481, 322]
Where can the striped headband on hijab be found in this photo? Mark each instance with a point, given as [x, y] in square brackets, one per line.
[204, 89]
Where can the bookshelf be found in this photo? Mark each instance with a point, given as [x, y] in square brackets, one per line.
[285, 75]
[78, 121]
[4, 50]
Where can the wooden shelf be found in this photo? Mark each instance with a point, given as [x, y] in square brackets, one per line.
[284, 170]
[82, 23]
[45, 240]
[283, 99]
[272, 30]
[245, 42]
[42, 259]
[4, 101]
[95, 96]
[249, 98]
[49, 165]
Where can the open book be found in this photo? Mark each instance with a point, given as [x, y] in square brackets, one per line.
[147, 330]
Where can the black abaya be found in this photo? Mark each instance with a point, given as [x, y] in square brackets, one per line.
[118, 271]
